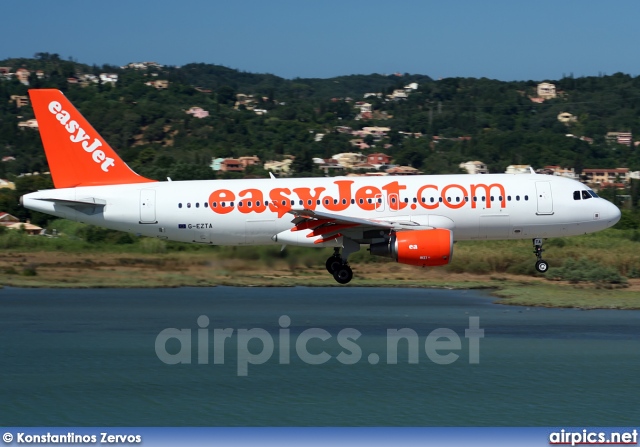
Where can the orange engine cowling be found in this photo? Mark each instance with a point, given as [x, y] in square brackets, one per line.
[425, 248]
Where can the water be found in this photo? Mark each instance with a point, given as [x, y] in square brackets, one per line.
[88, 358]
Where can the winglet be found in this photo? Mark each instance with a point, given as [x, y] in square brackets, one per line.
[77, 154]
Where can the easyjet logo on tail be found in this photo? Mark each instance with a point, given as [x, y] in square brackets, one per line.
[78, 135]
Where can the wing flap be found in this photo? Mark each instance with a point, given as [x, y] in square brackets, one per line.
[304, 218]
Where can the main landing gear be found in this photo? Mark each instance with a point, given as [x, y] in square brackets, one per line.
[337, 264]
[340, 270]
[541, 265]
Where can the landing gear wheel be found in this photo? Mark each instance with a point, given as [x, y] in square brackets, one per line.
[542, 266]
[343, 274]
[333, 263]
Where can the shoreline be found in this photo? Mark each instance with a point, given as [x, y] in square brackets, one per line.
[172, 270]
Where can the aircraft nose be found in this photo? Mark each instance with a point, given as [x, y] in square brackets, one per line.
[612, 214]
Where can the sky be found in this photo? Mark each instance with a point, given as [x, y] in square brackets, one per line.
[498, 39]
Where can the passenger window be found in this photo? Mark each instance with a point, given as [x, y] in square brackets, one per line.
[526, 197]
[586, 195]
[197, 204]
[576, 195]
[179, 205]
[206, 205]
[188, 205]
[518, 198]
[344, 201]
[257, 203]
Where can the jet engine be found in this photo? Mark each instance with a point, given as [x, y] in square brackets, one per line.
[425, 248]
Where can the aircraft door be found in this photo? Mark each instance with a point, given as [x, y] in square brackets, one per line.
[494, 226]
[393, 201]
[148, 206]
[379, 203]
[545, 200]
[259, 231]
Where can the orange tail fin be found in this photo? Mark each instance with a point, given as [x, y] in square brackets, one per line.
[77, 154]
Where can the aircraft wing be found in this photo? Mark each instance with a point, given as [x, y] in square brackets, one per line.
[329, 225]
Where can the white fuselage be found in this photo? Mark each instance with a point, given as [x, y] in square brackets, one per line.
[252, 212]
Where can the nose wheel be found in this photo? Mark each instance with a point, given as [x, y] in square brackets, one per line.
[541, 265]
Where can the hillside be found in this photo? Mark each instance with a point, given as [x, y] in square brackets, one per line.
[432, 126]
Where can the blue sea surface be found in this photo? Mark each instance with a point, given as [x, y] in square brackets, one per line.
[73, 357]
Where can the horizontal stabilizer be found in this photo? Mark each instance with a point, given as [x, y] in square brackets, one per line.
[76, 203]
[87, 206]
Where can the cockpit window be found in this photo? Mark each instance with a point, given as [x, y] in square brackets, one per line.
[576, 195]
[586, 195]
[593, 194]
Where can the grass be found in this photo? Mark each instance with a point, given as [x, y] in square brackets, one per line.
[554, 295]
[507, 266]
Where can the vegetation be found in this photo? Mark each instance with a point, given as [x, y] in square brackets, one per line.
[153, 134]
[68, 261]
[605, 258]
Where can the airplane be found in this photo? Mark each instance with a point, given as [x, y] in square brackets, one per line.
[411, 219]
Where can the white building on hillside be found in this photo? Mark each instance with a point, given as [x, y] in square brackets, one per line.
[518, 169]
[474, 167]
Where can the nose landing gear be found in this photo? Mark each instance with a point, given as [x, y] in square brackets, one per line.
[541, 265]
